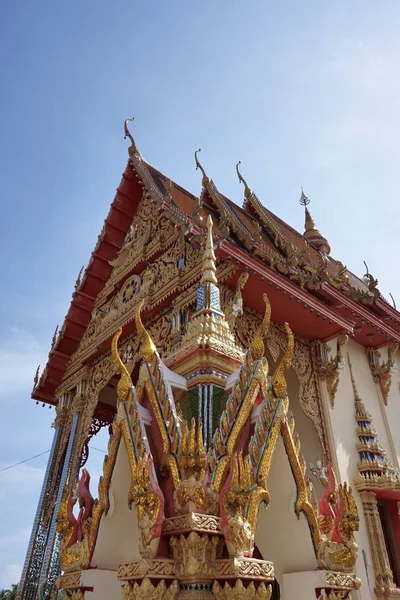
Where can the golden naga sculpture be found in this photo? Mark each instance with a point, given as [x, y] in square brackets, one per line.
[192, 494]
[146, 495]
[257, 347]
[124, 387]
[338, 521]
[279, 385]
[239, 504]
[148, 349]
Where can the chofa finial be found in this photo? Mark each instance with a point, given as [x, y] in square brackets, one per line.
[205, 179]
[132, 148]
[247, 190]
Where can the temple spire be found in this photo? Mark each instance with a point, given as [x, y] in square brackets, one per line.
[208, 292]
[311, 233]
[209, 268]
[372, 461]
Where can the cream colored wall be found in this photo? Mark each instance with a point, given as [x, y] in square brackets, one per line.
[104, 583]
[392, 410]
[281, 536]
[342, 425]
[117, 541]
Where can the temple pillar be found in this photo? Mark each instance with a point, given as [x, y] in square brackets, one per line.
[380, 559]
[30, 577]
[50, 565]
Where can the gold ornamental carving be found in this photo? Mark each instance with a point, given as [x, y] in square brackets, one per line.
[194, 555]
[191, 494]
[244, 568]
[239, 592]
[382, 371]
[161, 568]
[147, 591]
[70, 580]
[75, 594]
[330, 368]
[199, 522]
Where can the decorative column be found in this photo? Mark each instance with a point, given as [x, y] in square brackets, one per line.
[383, 573]
[29, 582]
[50, 568]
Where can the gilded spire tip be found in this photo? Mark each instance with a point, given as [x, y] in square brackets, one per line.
[304, 200]
[132, 148]
[209, 268]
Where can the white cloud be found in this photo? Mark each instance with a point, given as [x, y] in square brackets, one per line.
[20, 354]
[10, 574]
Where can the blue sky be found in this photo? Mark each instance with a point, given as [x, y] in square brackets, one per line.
[303, 93]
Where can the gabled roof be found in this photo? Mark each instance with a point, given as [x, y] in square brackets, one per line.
[253, 230]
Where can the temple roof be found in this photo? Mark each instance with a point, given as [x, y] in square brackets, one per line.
[295, 267]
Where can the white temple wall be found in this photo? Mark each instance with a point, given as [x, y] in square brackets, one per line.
[392, 409]
[342, 427]
[117, 541]
[281, 536]
[104, 583]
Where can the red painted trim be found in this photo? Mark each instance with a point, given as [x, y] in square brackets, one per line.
[360, 311]
[261, 269]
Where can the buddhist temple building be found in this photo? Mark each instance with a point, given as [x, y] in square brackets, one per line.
[249, 384]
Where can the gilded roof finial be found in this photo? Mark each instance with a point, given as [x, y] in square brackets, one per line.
[209, 268]
[304, 200]
[247, 190]
[257, 345]
[205, 179]
[311, 233]
[393, 300]
[132, 148]
[148, 347]
[124, 386]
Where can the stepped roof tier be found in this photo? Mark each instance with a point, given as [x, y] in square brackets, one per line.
[294, 269]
